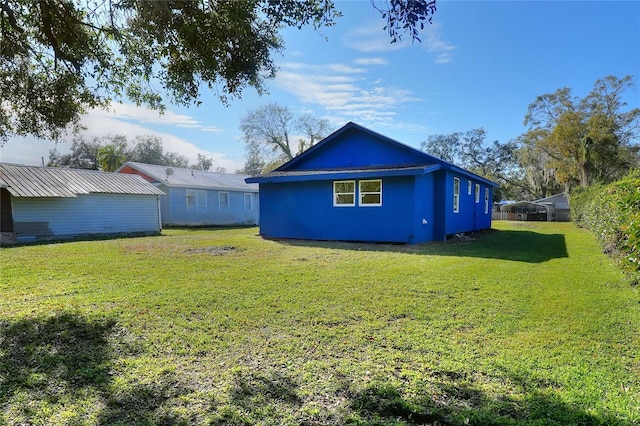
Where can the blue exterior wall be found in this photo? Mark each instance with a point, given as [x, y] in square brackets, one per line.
[415, 209]
[355, 149]
[174, 208]
[424, 217]
[417, 195]
[305, 210]
[471, 215]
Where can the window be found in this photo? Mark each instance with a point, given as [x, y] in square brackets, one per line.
[477, 192]
[468, 187]
[344, 193]
[486, 200]
[248, 201]
[370, 192]
[196, 200]
[224, 201]
[456, 195]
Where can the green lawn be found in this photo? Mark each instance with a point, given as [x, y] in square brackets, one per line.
[526, 324]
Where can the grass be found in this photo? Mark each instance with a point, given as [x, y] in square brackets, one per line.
[527, 324]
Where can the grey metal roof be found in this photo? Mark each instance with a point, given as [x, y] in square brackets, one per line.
[343, 171]
[559, 201]
[190, 178]
[30, 181]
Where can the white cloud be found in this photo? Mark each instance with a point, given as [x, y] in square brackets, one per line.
[371, 61]
[128, 121]
[432, 41]
[346, 95]
[143, 115]
[370, 38]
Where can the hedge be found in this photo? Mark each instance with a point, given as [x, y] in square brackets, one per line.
[612, 213]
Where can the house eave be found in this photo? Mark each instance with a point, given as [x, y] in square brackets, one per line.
[213, 188]
[316, 175]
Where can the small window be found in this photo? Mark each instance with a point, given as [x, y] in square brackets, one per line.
[344, 193]
[224, 201]
[477, 192]
[486, 200]
[469, 187]
[456, 195]
[248, 201]
[371, 192]
[196, 200]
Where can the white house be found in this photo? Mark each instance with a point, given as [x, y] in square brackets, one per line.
[47, 203]
[199, 197]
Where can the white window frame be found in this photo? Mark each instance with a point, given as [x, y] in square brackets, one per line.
[362, 193]
[335, 194]
[486, 200]
[196, 200]
[248, 201]
[221, 206]
[477, 193]
[456, 195]
[469, 185]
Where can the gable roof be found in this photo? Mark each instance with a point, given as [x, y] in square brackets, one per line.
[190, 178]
[558, 200]
[35, 182]
[403, 161]
[410, 156]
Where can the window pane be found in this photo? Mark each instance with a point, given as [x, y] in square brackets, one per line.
[345, 198]
[370, 192]
[191, 202]
[345, 187]
[370, 186]
[371, 199]
[344, 193]
[456, 195]
[202, 201]
[224, 200]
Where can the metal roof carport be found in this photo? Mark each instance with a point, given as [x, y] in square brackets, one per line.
[526, 210]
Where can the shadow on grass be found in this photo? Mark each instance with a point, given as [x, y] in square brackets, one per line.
[65, 361]
[452, 399]
[520, 246]
[194, 228]
[449, 398]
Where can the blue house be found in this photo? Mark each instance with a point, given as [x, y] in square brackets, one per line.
[357, 185]
[198, 197]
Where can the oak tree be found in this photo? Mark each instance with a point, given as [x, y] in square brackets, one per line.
[59, 58]
[469, 150]
[589, 139]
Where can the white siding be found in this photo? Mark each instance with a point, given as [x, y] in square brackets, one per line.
[86, 214]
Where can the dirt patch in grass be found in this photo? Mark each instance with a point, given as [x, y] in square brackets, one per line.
[214, 250]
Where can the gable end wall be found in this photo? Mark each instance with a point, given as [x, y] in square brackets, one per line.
[49, 218]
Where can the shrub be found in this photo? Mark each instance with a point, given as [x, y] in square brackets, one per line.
[612, 213]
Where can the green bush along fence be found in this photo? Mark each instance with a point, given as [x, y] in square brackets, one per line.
[612, 213]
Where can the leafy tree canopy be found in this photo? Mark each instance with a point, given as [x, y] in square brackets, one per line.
[496, 161]
[60, 57]
[111, 157]
[584, 140]
[108, 153]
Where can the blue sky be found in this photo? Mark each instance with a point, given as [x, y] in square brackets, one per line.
[480, 64]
